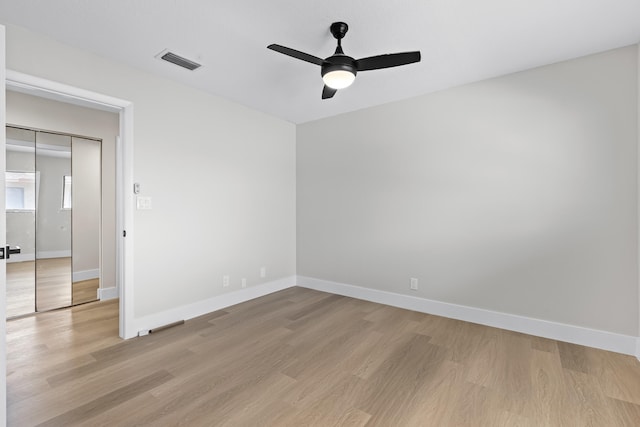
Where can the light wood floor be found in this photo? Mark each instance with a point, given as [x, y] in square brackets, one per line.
[301, 357]
[21, 288]
[85, 291]
[53, 283]
[54, 289]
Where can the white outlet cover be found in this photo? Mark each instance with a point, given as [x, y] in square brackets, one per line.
[263, 272]
[225, 281]
[143, 203]
[414, 284]
[244, 282]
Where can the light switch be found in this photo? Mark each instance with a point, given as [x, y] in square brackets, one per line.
[143, 203]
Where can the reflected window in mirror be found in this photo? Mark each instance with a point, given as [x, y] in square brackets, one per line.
[66, 192]
[21, 191]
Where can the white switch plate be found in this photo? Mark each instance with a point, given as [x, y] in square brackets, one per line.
[244, 282]
[263, 272]
[414, 284]
[143, 203]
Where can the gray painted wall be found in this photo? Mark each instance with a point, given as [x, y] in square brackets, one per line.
[516, 194]
[86, 204]
[53, 228]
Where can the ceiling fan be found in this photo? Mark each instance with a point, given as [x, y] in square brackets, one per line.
[339, 70]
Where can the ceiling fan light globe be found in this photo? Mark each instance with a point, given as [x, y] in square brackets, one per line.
[338, 79]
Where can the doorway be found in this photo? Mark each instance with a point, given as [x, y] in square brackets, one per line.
[53, 210]
[124, 201]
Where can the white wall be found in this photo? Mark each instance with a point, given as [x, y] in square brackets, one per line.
[3, 266]
[240, 216]
[86, 205]
[53, 224]
[638, 119]
[516, 194]
[41, 113]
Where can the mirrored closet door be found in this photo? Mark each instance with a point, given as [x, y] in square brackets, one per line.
[53, 221]
[53, 193]
[21, 186]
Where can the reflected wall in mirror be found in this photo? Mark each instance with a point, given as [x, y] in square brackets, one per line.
[86, 201]
[53, 223]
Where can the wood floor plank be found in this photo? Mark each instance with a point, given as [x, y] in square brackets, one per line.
[84, 291]
[302, 357]
[618, 379]
[396, 384]
[383, 349]
[625, 413]
[574, 357]
[109, 400]
[332, 402]
[547, 387]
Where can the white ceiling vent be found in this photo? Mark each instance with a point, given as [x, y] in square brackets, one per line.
[178, 60]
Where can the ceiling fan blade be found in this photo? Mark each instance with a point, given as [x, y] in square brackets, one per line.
[296, 54]
[328, 92]
[389, 60]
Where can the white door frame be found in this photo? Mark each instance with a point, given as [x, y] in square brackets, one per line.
[3, 236]
[124, 175]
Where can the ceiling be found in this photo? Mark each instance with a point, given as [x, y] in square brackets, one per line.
[461, 41]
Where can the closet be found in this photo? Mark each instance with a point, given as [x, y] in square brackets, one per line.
[53, 208]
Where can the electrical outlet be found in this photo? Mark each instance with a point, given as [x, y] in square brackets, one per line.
[143, 203]
[244, 282]
[414, 284]
[263, 272]
[225, 281]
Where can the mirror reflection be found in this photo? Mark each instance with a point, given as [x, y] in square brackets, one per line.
[21, 187]
[53, 222]
[53, 204]
[86, 201]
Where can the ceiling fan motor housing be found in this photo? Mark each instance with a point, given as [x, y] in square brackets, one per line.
[337, 63]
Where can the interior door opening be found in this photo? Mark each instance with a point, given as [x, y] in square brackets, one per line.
[123, 171]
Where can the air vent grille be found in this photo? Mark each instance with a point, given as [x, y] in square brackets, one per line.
[179, 60]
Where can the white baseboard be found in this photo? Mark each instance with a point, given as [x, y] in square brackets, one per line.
[185, 312]
[107, 293]
[53, 254]
[79, 276]
[41, 255]
[21, 258]
[610, 341]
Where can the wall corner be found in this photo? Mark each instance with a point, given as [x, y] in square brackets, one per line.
[638, 187]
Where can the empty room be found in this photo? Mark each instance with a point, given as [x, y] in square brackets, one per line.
[320, 214]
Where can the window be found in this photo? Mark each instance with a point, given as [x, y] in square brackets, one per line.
[21, 191]
[66, 192]
[15, 198]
